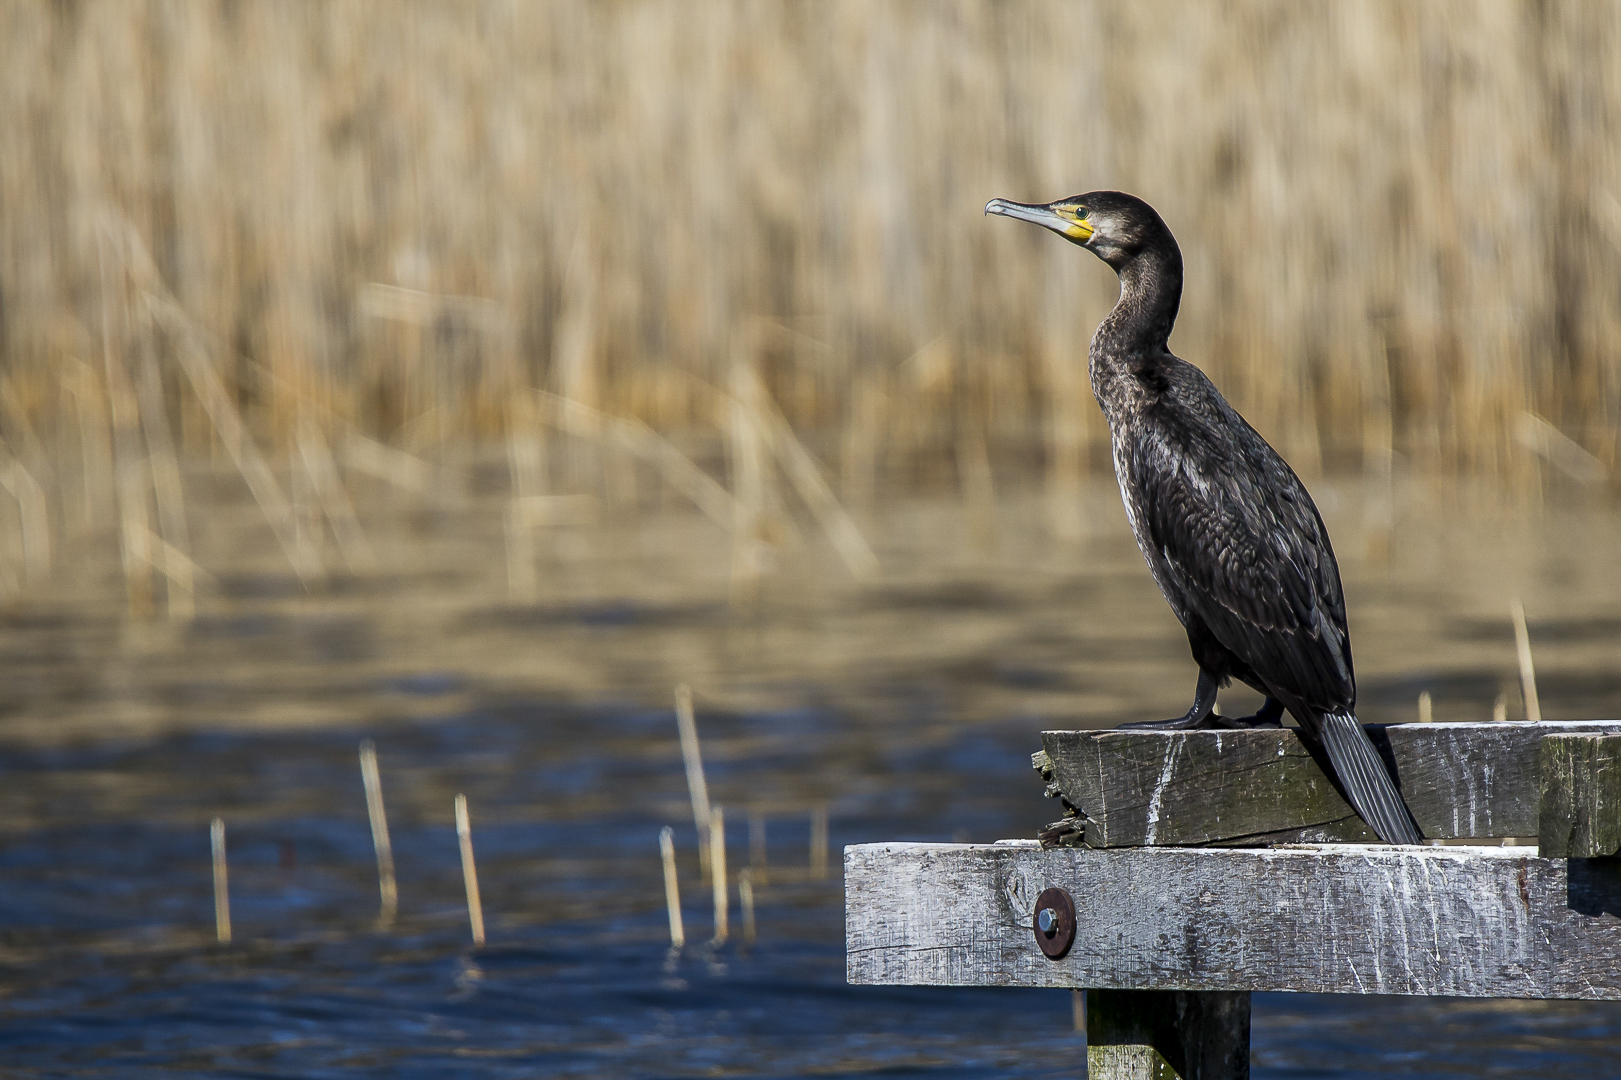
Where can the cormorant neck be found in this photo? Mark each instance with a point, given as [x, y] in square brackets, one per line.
[1139, 327]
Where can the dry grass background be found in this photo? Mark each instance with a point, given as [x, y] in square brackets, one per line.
[309, 237]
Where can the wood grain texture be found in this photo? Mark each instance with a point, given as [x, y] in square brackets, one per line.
[1158, 788]
[1581, 796]
[1356, 919]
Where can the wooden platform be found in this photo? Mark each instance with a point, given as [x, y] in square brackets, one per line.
[1183, 882]
[1338, 919]
[1250, 788]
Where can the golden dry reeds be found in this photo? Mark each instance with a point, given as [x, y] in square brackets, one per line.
[308, 229]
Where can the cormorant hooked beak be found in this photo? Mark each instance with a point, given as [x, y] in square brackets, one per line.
[1063, 217]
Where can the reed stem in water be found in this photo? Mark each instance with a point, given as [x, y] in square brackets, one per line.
[717, 866]
[672, 887]
[386, 887]
[222, 885]
[475, 907]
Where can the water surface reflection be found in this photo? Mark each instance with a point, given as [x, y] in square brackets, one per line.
[908, 710]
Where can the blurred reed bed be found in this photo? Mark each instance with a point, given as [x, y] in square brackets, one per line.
[741, 243]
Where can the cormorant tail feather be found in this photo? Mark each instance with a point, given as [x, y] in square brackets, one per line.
[1368, 784]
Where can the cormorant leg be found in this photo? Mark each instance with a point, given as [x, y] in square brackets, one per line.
[1198, 714]
[1270, 714]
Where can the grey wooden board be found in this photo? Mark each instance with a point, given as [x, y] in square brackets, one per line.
[1581, 796]
[1140, 788]
[1353, 919]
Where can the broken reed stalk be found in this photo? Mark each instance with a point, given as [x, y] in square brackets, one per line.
[33, 516]
[672, 887]
[128, 472]
[81, 383]
[977, 483]
[1426, 711]
[322, 470]
[757, 849]
[520, 538]
[806, 476]
[750, 544]
[745, 900]
[676, 468]
[164, 470]
[1528, 674]
[818, 842]
[717, 865]
[386, 887]
[696, 788]
[475, 907]
[385, 463]
[222, 886]
[227, 421]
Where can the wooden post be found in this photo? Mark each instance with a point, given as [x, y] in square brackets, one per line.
[1166, 1034]
[1580, 815]
[1169, 937]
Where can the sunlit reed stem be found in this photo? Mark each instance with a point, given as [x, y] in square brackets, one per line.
[696, 787]
[520, 539]
[1426, 714]
[1500, 709]
[475, 907]
[222, 886]
[672, 887]
[806, 476]
[33, 517]
[164, 467]
[745, 900]
[818, 842]
[757, 848]
[1528, 674]
[717, 866]
[750, 476]
[379, 834]
[128, 472]
[322, 471]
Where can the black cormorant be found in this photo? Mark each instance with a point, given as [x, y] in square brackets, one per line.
[1230, 534]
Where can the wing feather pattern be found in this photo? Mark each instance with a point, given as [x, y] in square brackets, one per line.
[1241, 541]
[1235, 540]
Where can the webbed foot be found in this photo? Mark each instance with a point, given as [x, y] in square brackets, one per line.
[1200, 715]
[1269, 715]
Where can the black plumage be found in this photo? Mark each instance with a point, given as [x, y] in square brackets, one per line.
[1229, 532]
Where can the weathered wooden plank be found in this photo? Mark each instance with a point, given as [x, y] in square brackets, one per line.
[1151, 1034]
[1471, 922]
[1146, 788]
[1581, 796]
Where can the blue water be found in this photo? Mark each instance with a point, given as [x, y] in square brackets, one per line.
[111, 967]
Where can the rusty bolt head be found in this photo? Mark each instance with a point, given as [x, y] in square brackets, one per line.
[1054, 922]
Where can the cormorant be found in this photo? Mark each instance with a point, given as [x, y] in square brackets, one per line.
[1229, 531]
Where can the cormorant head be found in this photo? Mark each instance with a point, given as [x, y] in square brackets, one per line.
[1114, 226]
